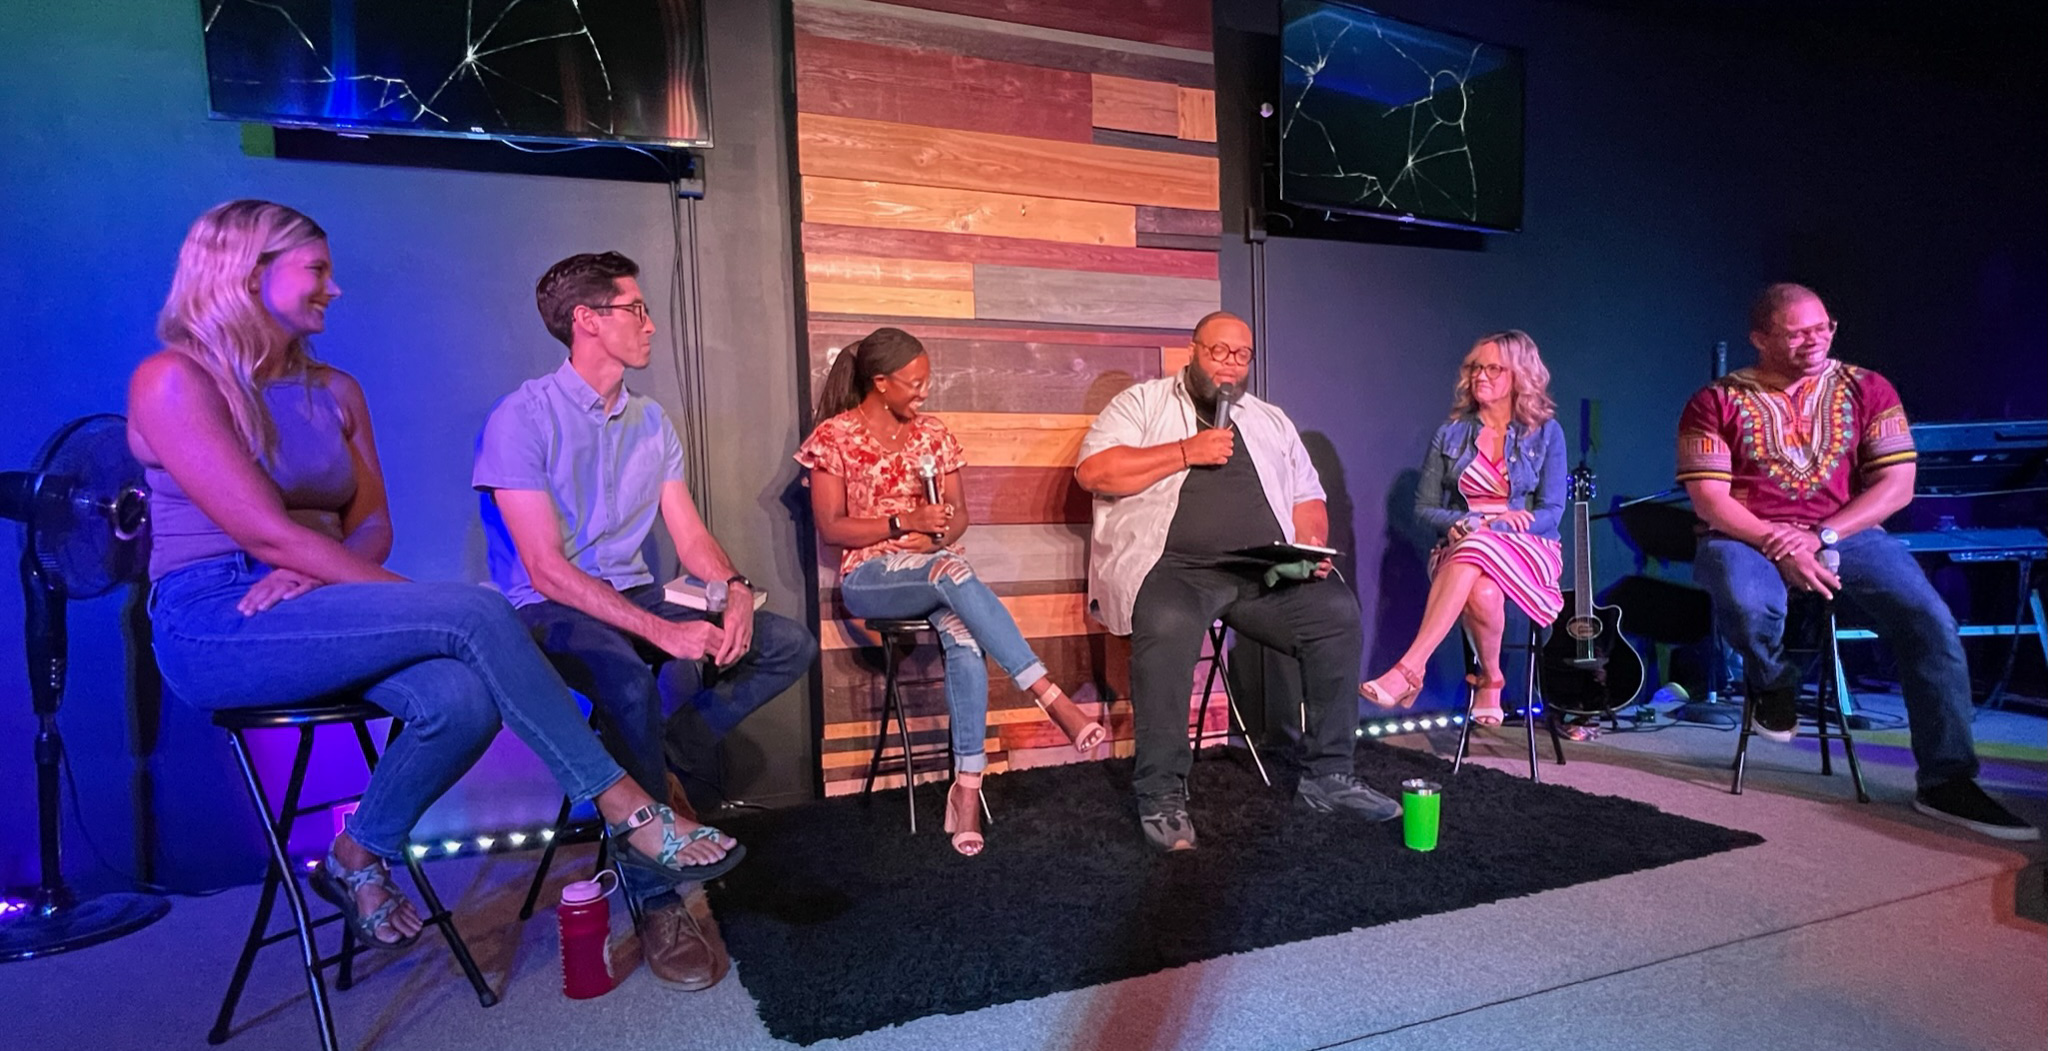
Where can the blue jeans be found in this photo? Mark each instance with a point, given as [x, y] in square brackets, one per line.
[450, 661]
[1882, 583]
[677, 714]
[941, 587]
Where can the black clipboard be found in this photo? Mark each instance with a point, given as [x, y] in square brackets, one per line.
[1278, 552]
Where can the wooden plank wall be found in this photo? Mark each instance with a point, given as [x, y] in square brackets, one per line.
[1030, 187]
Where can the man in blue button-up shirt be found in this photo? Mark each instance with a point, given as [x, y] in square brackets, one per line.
[576, 469]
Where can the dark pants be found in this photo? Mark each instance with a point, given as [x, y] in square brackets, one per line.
[1314, 622]
[650, 708]
[1880, 581]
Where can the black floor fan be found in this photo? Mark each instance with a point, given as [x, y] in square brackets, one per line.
[85, 517]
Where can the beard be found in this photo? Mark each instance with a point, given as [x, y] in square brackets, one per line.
[1201, 388]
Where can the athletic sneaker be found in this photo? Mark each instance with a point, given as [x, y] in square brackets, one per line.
[1334, 792]
[1775, 715]
[1961, 802]
[1165, 821]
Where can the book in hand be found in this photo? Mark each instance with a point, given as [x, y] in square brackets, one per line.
[709, 596]
[1284, 552]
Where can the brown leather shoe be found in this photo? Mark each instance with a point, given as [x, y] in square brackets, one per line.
[682, 943]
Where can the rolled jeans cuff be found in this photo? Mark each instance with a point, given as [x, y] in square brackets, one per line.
[1029, 675]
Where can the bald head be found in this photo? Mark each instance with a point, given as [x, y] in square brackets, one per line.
[1220, 317]
[1221, 348]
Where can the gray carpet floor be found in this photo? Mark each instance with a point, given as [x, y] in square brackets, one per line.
[1852, 926]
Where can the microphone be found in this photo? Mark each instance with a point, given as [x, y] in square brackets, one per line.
[1831, 560]
[1226, 396]
[928, 469]
[1720, 358]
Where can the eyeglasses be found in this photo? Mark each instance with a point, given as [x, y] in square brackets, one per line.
[638, 307]
[1811, 333]
[922, 386]
[1225, 354]
[1492, 372]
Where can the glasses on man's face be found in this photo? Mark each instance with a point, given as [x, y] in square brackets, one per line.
[1809, 334]
[1490, 371]
[638, 307]
[1225, 354]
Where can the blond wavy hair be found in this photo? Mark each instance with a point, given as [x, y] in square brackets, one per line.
[1533, 406]
[213, 317]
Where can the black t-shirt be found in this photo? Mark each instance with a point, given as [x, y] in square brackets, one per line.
[1223, 508]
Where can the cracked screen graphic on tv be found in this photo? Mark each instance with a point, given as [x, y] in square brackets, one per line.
[594, 70]
[1381, 117]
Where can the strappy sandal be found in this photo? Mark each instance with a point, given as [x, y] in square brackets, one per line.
[664, 863]
[965, 824]
[1084, 733]
[1491, 714]
[337, 884]
[1405, 699]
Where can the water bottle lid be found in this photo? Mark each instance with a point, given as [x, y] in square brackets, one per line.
[585, 891]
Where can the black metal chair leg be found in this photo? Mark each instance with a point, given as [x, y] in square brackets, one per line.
[1529, 713]
[309, 951]
[892, 701]
[547, 858]
[257, 930]
[1465, 729]
[1742, 744]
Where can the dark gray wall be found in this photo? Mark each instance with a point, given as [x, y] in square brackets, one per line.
[1671, 172]
[109, 157]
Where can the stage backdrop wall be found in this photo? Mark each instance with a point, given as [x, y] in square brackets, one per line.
[1030, 187]
[1673, 169]
[108, 158]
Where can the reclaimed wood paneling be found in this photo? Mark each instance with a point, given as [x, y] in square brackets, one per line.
[852, 328]
[1009, 293]
[895, 26]
[851, 78]
[1018, 439]
[850, 148]
[1179, 221]
[1146, 106]
[1005, 495]
[851, 202]
[1139, 141]
[908, 302]
[1003, 376]
[1180, 242]
[1010, 251]
[1174, 23]
[888, 272]
[1174, 359]
[1197, 113]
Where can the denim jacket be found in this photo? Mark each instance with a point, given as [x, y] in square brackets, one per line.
[1535, 474]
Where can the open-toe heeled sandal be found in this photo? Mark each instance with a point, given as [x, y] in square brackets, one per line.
[1371, 690]
[1084, 733]
[1486, 714]
[664, 863]
[337, 884]
[963, 813]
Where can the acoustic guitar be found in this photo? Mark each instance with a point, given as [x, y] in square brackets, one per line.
[1587, 667]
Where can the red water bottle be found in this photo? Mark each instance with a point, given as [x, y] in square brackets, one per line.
[586, 920]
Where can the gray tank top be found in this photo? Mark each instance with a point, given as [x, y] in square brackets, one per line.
[312, 469]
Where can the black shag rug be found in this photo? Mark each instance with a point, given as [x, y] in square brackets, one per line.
[841, 922]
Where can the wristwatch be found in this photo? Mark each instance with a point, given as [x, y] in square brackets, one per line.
[1828, 537]
[895, 526]
[741, 580]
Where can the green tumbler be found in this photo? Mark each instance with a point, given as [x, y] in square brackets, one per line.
[1421, 807]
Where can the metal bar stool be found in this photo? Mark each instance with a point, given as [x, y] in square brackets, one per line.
[898, 637]
[277, 830]
[1532, 704]
[1830, 695]
[570, 832]
[1217, 666]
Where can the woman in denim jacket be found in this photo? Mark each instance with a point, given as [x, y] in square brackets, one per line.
[1493, 484]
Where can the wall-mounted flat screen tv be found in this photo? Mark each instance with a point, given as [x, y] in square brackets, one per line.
[1386, 118]
[574, 70]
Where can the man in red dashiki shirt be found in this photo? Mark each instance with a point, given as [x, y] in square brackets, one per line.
[1793, 464]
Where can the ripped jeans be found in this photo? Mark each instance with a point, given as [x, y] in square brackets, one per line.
[941, 587]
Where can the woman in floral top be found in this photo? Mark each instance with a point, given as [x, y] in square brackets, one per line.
[901, 558]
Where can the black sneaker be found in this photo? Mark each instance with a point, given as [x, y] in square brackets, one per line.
[1775, 715]
[1961, 802]
[1333, 792]
[1165, 821]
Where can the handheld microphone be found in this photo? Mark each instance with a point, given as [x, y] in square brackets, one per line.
[928, 469]
[1720, 358]
[1226, 396]
[1831, 560]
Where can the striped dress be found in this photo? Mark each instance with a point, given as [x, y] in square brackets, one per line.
[1525, 566]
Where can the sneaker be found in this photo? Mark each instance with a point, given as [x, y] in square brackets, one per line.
[1333, 792]
[1775, 715]
[1961, 802]
[1165, 821]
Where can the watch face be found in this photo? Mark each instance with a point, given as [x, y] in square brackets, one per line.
[1829, 537]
